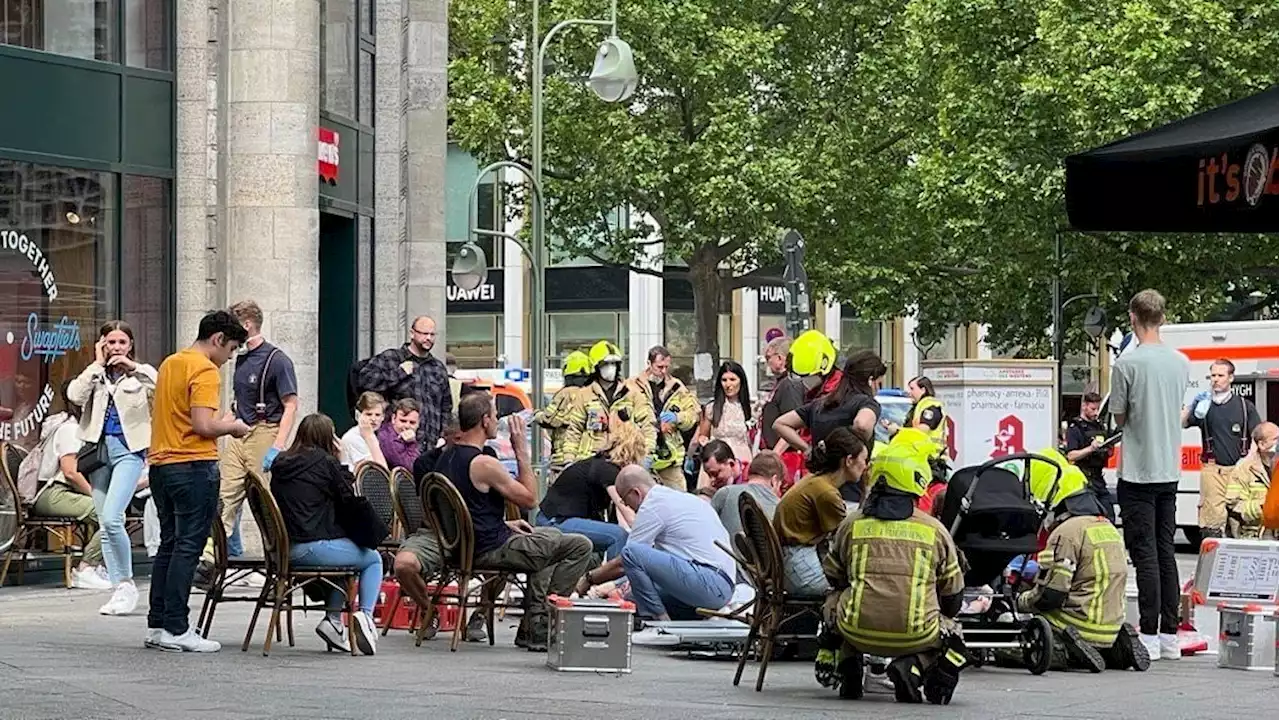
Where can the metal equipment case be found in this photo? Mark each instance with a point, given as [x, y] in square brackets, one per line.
[1247, 637]
[589, 635]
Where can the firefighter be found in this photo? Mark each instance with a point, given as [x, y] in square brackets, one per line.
[555, 416]
[1248, 483]
[811, 371]
[896, 585]
[675, 410]
[605, 400]
[1080, 587]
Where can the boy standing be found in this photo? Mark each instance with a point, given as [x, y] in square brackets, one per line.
[184, 474]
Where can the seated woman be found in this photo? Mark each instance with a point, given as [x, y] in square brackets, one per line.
[813, 508]
[581, 496]
[309, 482]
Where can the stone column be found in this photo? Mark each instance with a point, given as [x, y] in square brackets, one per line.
[426, 122]
[195, 189]
[272, 230]
[389, 188]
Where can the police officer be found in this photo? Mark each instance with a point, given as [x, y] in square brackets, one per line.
[675, 409]
[1084, 447]
[555, 416]
[605, 400]
[1080, 588]
[896, 581]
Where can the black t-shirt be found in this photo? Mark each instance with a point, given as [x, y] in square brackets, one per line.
[821, 421]
[1080, 435]
[788, 395]
[1225, 431]
[581, 491]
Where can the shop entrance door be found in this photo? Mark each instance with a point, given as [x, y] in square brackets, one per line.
[337, 321]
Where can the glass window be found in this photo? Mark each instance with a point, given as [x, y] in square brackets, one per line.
[366, 88]
[681, 338]
[473, 339]
[146, 294]
[57, 285]
[368, 16]
[146, 33]
[78, 28]
[337, 58]
[767, 323]
[580, 330]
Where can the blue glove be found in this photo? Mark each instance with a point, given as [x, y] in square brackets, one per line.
[1030, 569]
[269, 458]
[1200, 404]
[647, 462]
[667, 417]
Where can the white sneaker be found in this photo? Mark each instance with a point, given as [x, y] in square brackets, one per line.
[366, 634]
[1152, 644]
[188, 641]
[152, 639]
[1169, 647]
[333, 634]
[88, 578]
[123, 601]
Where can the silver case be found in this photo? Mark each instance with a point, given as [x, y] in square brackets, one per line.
[1247, 637]
[590, 636]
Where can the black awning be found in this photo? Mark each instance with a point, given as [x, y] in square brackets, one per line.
[1212, 172]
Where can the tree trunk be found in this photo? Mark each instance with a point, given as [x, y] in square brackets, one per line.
[706, 280]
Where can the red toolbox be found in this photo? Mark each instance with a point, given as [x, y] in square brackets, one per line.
[406, 613]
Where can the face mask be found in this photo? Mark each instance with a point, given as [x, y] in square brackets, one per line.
[609, 373]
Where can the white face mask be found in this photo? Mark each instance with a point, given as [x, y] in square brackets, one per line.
[609, 373]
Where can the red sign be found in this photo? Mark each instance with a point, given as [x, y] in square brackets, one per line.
[327, 143]
[950, 435]
[1008, 439]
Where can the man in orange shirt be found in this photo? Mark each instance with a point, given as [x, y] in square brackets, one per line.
[184, 474]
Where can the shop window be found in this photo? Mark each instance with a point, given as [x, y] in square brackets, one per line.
[767, 323]
[474, 339]
[680, 336]
[337, 58]
[580, 330]
[77, 28]
[146, 34]
[57, 285]
[146, 272]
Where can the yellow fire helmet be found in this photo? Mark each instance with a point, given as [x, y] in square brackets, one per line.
[812, 354]
[904, 464]
[1043, 475]
[577, 363]
[604, 351]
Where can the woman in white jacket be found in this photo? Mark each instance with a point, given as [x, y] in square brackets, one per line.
[115, 392]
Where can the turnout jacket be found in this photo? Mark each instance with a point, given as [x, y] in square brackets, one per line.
[1246, 490]
[592, 412]
[555, 418]
[673, 397]
[1081, 580]
[892, 576]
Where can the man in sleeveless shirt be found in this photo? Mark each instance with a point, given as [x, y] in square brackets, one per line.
[553, 560]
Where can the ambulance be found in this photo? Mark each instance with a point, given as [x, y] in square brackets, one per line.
[1254, 349]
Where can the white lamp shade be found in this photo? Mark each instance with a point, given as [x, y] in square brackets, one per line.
[613, 78]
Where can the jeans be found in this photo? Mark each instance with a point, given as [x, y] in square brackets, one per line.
[186, 495]
[341, 552]
[235, 545]
[802, 571]
[113, 487]
[605, 537]
[662, 583]
[1149, 515]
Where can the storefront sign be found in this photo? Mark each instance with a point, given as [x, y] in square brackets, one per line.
[327, 142]
[48, 341]
[484, 298]
[485, 292]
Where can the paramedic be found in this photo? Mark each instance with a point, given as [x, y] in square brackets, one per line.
[607, 399]
[1085, 449]
[675, 411]
[876, 608]
[1226, 421]
[1080, 588]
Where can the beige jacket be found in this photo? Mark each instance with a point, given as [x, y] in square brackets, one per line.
[132, 393]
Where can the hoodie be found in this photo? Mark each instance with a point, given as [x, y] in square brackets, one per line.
[308, 485]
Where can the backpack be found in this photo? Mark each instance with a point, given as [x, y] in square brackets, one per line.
[353, 383]
[29, 486]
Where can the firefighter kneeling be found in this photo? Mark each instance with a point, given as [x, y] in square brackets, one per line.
[897, 585]
[1080, 588]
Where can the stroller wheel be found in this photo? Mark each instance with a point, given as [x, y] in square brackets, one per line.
[1037, 645]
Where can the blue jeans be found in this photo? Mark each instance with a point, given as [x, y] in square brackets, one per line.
[113, 487]
[235, 545]
[664, 584]
[607, 538]
[341, 552]
[186, 497]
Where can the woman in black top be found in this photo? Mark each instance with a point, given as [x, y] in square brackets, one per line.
[309, 482]
[581, 496]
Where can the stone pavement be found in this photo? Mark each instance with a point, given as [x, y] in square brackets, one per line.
[59, 660]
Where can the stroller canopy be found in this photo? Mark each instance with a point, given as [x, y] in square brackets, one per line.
[1001, 519]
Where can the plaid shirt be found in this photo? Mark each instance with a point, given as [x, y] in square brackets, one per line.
[428, 384]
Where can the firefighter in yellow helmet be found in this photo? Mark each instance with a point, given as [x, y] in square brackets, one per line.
[896, 585]
[675, 410]
[1080, 585]
[607, 399]
[555, 416]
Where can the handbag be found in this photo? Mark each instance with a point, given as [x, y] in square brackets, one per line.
[360, 522]
[92, 456]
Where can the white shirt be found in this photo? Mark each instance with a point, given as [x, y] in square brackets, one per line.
[682, 524]
[354, 448]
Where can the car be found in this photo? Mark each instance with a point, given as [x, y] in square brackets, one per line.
[894, 406]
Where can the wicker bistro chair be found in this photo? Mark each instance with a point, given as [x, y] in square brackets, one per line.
[374, 483]
[226, 572]
[409, 519]
[283, 578]
[761, 556]
[448, 516]
[71, 534]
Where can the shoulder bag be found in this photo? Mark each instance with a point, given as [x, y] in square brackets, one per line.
[360, 522]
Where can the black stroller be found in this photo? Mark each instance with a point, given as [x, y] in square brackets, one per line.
[993, 519]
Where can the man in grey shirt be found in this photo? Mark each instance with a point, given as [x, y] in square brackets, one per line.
[764, 479]
[1147, 388]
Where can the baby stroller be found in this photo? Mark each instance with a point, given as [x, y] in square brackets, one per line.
[993, 520]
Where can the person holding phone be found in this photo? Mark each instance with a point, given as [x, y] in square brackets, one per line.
[1087, 449]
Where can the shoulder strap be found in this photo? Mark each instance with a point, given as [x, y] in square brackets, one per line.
[262, 384]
